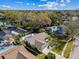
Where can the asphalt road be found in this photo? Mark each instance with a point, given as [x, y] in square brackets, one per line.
[75, 50]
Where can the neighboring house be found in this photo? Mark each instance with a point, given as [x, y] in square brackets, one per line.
[64, 18]
[14, 30]
[19, 31]
[74, 18]
[2, 34]
[17, 52]
[53, 28]
[38, 40]
[57, 30]
[9, 29]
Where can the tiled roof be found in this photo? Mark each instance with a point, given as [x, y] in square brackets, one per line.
[40, 37]
[18, 52]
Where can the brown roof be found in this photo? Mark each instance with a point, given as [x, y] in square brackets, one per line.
[18, 52]
[39, 37]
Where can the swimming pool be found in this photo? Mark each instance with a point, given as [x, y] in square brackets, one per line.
[4, 49]
[1, 49]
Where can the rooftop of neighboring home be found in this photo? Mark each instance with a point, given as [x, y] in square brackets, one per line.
[14, 30]
[4, 45]
[17, 52]
[2, 33]
[6, 41]
[75, 18]
[58, 30]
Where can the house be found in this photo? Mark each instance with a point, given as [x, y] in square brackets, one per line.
[64, 18]
[38, 40]
[2, 33]
[53, 28]
[17, 52]
[11, 29]
[74, 18]
[57, 30]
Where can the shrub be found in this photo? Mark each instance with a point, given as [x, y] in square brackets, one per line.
[50, 56]
[41, 30]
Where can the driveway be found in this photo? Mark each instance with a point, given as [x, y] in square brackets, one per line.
[75, 50]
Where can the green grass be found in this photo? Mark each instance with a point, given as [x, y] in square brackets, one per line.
[68, 49]
[59, 49]
[58, 44]
[41, 56]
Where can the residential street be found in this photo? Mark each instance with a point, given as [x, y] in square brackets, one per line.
[75, 50]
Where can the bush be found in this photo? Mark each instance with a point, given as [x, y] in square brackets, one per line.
[49, 31]
[41, 30]
[21, 35]
[50, 56]
[41, 56]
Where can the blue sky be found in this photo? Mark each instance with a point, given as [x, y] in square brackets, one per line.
[39, 4]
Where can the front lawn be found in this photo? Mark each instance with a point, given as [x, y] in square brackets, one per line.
[41, 56]
[59, 49]
[57, 44]
[48, 56]
[68, 49]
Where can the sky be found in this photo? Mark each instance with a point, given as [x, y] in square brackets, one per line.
[39, 4]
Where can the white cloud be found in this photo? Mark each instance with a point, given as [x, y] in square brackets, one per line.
[27, 3]
[33, 4]
[62, 4]
[62, 1]
[49, 5]
[68, 1]
[30, 4]
[43, 0]
[6, 7]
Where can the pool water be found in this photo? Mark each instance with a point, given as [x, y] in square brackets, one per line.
[4, 49]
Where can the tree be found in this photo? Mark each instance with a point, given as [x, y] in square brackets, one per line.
[42, 20]
[72, 27]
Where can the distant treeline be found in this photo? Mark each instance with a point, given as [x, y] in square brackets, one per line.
[35, 19]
